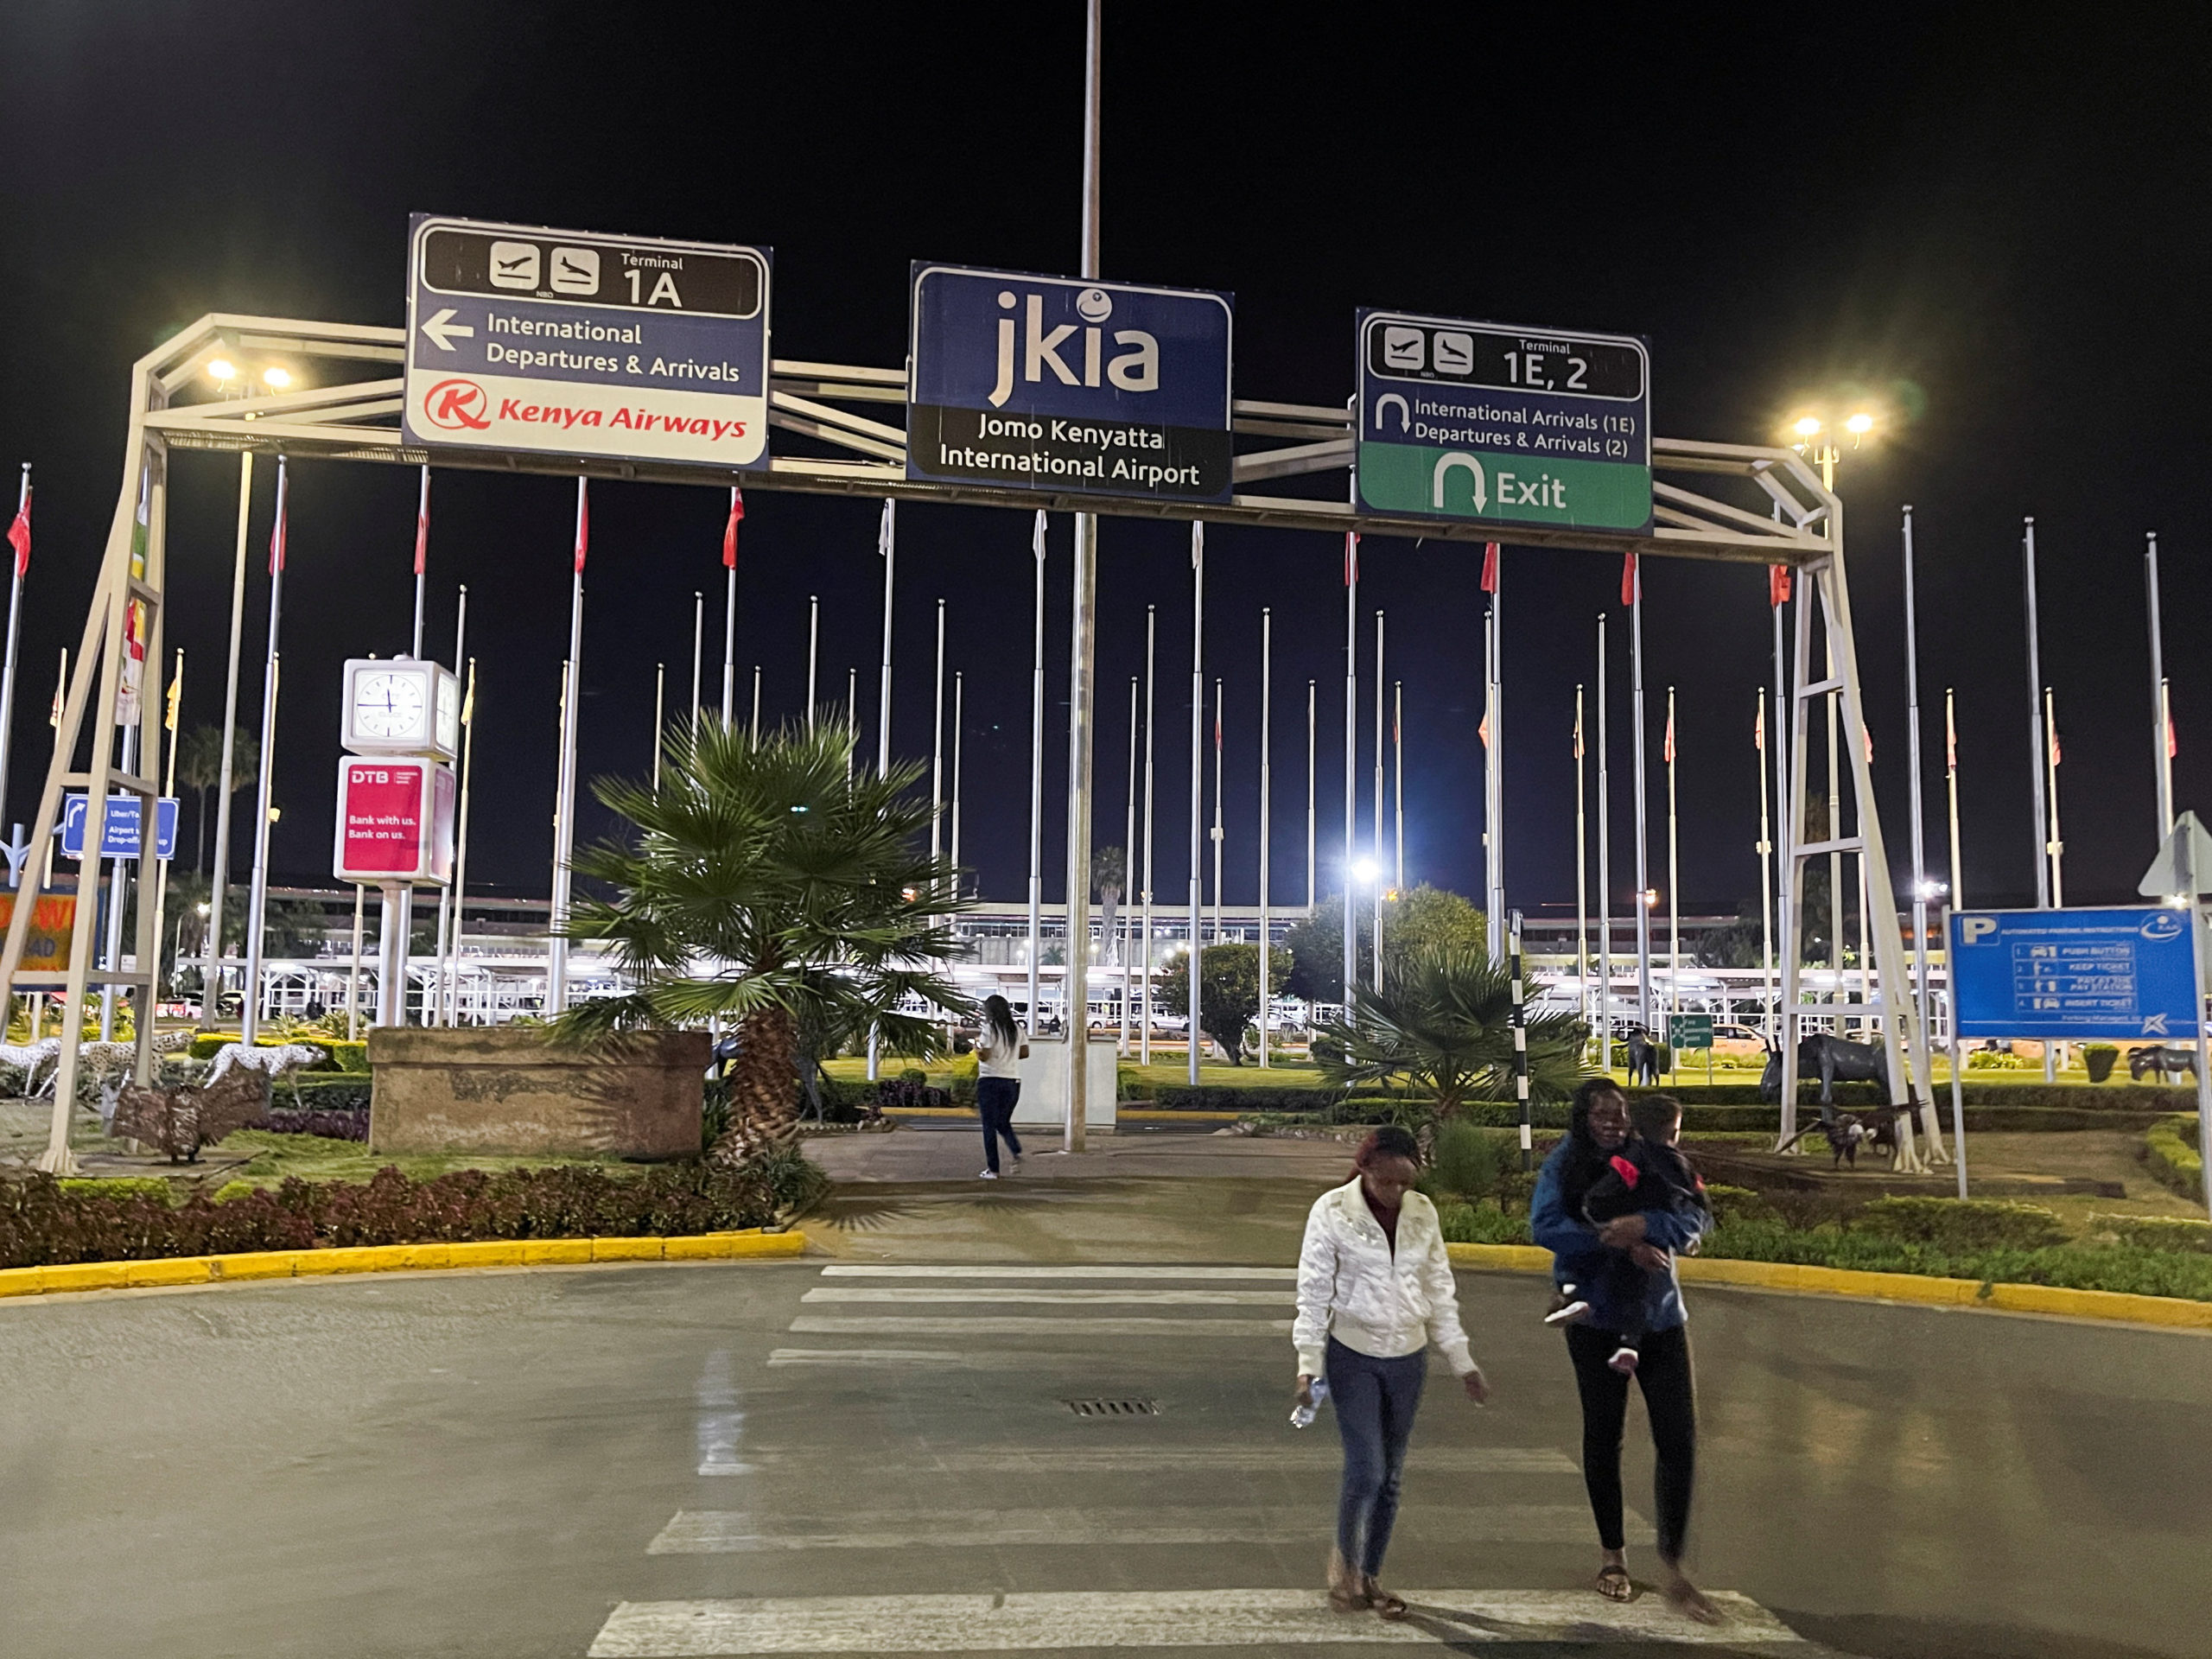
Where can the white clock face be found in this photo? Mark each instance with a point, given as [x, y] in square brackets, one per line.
[449, 711]
[388, 705]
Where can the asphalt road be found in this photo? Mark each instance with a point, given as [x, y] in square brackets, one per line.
[719, 1458]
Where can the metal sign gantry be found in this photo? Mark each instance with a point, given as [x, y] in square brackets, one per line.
[856, 410]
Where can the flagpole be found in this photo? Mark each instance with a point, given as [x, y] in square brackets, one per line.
[1128, 868]
[22, 528]
[1267, 817]
[1036, 774]
[557, 999]
[1674, 883]
[1144, 1040]
[752, 737]
[353, 974]
[257, 895]
[660, 694]
[1951, 784]
[2161, 761]
[1835, 831]
[1494, 755]
[1779, 596]
[460, 836]
[1581, 871]
[1766, 870]
[1375, 842]
[729, 604]
[1313, 780]
[698, 648]
[959, 714]
[2050, 760]
[446, 925]
[1922, 1064]
[2037, 754]
[852, 718]
[1351, 763]
[814, 641]
[422, 547]
[887, 546]
[1643, 870]
[1218, 832]
[937, 733]
[1198, 772]
[219, 880]
[1604, 873]
[1398, 773]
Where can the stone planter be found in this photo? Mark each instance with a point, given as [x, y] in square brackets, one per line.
[511, 1091]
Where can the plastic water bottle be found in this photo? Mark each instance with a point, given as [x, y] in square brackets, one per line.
[1303, 1416]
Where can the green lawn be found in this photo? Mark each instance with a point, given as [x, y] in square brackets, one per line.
[316, 1158]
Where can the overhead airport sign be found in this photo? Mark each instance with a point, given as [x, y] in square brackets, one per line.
[2074, 974]
[1049, 383]
[625, 348]
[1511, 426]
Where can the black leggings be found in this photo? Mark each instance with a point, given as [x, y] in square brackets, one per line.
[1665, 1373]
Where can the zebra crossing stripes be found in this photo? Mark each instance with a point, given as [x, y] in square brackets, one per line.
[1070, 1270]
[1017, 1326]
[1042, 1622]
[1071, 1297]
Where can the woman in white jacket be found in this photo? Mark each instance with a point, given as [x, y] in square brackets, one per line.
[1374, 1287]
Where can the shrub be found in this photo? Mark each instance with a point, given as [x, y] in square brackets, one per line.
[1480, 1223]
[331, 1126]
[2171, 1151]
[960, 1077]
[909, 1089]
[1467, 1161]
[119, 1186]
[343, 1056]
[1740, 1204]
[326, 1092]
[1991, 1060]
[41, 1224]
[1958, 1224]
[2153, 1232]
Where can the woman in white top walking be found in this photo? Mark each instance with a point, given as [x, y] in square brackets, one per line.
[1375, 1287]
[999, 1052]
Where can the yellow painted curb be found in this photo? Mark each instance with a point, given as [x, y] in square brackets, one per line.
[749, 1244]
[2173, 1311]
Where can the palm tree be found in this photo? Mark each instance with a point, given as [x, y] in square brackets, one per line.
[1445, 1020]
[1111, 879]
[766, 885]
[200, 769]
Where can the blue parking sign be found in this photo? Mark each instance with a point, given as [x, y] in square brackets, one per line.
[2073, 974]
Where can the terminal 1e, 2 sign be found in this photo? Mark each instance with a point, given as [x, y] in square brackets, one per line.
[1508, 425]
[1071, 387]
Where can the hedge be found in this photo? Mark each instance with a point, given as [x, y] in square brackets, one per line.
[44, 1222]
[2171, 1151]
[2153, 1232]
[343, 1056]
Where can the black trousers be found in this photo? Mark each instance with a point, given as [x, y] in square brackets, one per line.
[996, 1098]
[1666, 1375]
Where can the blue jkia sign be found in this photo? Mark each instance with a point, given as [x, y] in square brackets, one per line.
[2072, 975]
[119, 836]
[1048, 382]
[625, 348]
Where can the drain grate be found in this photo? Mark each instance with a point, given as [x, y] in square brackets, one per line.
[1113, 1407]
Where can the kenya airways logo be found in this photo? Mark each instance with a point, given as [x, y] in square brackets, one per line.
[457, 406]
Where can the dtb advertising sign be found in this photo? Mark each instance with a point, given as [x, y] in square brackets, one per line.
[627, 348]
[1506, 425]
[395, 821]
[1053, 383]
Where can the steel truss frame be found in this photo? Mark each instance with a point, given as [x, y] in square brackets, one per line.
[842, 407]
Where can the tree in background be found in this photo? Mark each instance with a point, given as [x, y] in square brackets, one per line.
[1109, 877]
[1420, 919]
[769, 887]
[1445, 1020]
[200, 769]
[1229, 990]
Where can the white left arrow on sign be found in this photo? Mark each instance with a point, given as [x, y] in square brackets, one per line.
[443, 330]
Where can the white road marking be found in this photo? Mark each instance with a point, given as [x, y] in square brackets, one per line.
[909, 1270]
[1017, 1326]
[1023, 1294]
[1309, 1455]
[1172, 1619]
[745, 1532]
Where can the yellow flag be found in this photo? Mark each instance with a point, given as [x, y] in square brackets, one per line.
[468, 702]
[176, 691]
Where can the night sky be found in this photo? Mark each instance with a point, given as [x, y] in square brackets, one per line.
[1988, 221]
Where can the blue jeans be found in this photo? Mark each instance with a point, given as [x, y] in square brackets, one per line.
[1374, 1402]
[995, 1102]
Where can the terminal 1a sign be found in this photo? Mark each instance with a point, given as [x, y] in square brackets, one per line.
[1071, 387]
[1504, 425]
[627, 348]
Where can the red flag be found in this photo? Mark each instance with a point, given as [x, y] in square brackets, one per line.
[1869, 732]
[1951, 736]
[729, 529]
[422, 523]
[583, 525]
[1482, 728]
[2053, 745]
[1489, 567]
[1628, 578]
[1352, 557]
[277, 534]
[1667, 749]
[1777, 584]
[2173, 747]
[1758, 728]
[19, 535]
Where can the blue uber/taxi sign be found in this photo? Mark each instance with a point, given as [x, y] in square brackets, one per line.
[2072, 975]
[1058, 384]
[119, 836]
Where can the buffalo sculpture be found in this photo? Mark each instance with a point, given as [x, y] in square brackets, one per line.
[1833, 1059]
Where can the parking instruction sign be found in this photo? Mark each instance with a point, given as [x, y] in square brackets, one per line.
[2072, 975]
[625, 348]
[1054, 384]
[1506, 425]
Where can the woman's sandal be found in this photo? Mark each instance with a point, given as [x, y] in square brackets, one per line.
[1385, 1605]
[1615, 1584]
